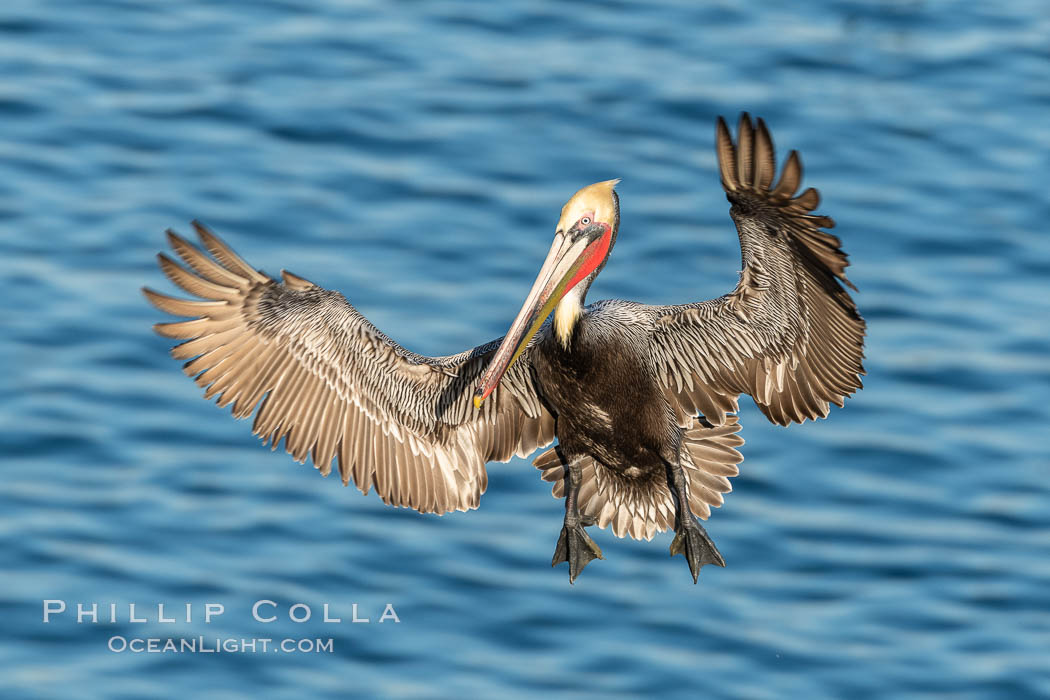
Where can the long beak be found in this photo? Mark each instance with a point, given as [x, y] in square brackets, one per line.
[558, 274]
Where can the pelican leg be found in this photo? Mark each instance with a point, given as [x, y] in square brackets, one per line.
[691, 539]
[574, 545]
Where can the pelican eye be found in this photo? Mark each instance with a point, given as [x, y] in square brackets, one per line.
[585, 221]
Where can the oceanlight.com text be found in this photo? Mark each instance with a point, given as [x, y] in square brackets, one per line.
[218, 645]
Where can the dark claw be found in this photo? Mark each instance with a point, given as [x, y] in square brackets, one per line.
[692, 542]
[577, 548]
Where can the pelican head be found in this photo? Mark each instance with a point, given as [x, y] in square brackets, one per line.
[583, 239]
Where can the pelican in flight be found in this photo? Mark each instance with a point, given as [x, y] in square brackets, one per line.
[642, 399]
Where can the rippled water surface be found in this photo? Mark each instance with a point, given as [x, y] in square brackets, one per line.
[414, 156]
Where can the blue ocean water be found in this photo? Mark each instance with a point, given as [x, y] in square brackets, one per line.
[415, 156]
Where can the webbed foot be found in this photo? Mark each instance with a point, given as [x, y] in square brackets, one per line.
[577, 548]
[692, 542]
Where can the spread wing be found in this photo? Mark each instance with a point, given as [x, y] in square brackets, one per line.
[335, 387]
[789, 334]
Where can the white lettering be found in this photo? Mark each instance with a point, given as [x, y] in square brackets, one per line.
[259, 604]
[160, 614]
[51, 609]
[356, 618]
[82, 612]
[211, 609]
[291, 612]
[330, 619]
[121, 641]
[131, 615]
[389, 614]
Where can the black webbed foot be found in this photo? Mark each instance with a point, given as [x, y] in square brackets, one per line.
[692, 542]
[577, 548]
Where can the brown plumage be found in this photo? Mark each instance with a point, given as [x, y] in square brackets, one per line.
[640, 397]
[334, 387]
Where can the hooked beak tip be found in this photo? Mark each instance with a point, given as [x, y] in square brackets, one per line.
[478, 398]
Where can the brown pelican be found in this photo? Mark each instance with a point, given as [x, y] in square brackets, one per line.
[641, 398]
